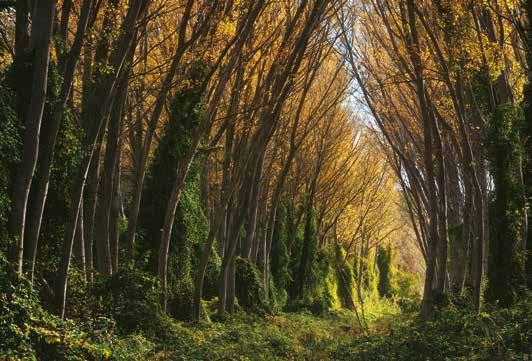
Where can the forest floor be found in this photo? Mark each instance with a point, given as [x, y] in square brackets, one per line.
[388, 335]
[283, 336]
[133, 329]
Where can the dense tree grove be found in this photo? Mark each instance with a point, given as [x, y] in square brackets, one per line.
[177, 171]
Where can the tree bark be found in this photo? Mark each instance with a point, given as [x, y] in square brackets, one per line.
[204, 259]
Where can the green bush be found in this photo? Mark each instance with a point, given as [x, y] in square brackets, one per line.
[345, 277]
[132, 299]
[28, 332]
[407, 285]
[322, 291]
[384, 262]
[452, 334]
[249, 286]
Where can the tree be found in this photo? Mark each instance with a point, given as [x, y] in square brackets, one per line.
[41, 38]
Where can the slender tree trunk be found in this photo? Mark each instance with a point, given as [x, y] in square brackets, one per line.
[23, 82]
[231, 287]
[232, 242]
[443, 226]
[91, 201]
[105, 201]
[42, 27]
[428, 153]
[114, 221]
[222, 287]
[459, 248]
[121, 47]
[49, 136]
[528, 143]
[79, 249]
[202, 268]
[253, 207]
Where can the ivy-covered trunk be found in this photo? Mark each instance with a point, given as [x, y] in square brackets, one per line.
[507, 260]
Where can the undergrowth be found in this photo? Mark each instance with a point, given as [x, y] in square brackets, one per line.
[129, 325]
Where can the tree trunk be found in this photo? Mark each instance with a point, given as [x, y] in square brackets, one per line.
[460, 245]
[42, 27]
[253, 207]
[204, 259]
[232, 242]
[91, 198]
[22, 73]
[105, 201]
[49, 136]
[443, 228]
[231, 287]
[102, 105]
[114, 221]
[528, 143]
[79, 249]
[426, 308]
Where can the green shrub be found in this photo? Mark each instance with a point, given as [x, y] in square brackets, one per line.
[132, 299]
[249, 286]
[322, 290]
[407, 285]
[279, 253]
[345, 277]
[28, 332]
[384, 262]
[452, 334]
